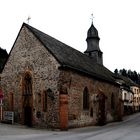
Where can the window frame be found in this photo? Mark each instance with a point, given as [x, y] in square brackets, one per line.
[85, 99]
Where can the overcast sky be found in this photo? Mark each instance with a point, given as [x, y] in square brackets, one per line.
[117, 21]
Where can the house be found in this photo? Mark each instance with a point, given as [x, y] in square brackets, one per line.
[127, 97]
[136, 90]
[127, 93]
[47, 83]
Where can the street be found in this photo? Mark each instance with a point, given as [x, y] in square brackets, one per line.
[126, 130]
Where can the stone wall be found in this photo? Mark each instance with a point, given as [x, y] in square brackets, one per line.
[75, 84]
[29, 56]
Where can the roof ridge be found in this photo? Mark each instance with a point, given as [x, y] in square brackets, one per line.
[30, 27]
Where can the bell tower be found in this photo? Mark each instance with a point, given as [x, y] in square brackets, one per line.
[93, 49]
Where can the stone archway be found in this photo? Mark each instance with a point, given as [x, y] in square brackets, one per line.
[27, 105]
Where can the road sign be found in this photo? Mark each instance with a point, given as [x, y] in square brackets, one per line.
[9, 116]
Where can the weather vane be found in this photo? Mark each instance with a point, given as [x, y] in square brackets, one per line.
[28, 19]
[92, 18]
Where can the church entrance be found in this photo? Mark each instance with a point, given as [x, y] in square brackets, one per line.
[28, 116]
[101, 109]
[27, 101]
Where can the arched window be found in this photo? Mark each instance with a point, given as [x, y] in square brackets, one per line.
[91, 112]
[112, 101]
[50, 94]
[11, 98]
[47, 94]
[45, 101]
[28, 85]
[85, 99]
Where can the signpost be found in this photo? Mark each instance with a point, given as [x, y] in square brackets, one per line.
[9, 116]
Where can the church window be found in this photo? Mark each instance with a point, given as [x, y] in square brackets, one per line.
[112, 101]
[50, 94]
[28, 85]
[39, 98]
[11, 100]
[91, 112]
[45, 101]
[85, 99]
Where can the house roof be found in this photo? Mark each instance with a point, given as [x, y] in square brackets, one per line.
[126, 80]
[69, 57]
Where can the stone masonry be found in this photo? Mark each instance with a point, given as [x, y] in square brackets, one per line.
[64, 87]
[75, 84]
[29, 56]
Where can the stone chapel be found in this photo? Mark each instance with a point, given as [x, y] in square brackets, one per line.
[49, 84]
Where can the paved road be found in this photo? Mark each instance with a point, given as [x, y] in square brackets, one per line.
[129, 129]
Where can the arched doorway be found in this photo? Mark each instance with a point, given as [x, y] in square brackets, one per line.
[27, 100]
[101, 109]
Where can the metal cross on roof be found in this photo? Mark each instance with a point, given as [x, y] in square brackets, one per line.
[28, 19]
[92, 18]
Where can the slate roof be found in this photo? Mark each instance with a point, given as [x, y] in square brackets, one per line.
[69, 57]
[92, 32]
[127, 80]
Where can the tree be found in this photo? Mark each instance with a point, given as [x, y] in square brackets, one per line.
[133, 75]
[3, 57]
[116, 71]
[124, 72]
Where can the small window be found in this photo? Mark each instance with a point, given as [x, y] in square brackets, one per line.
[45, 101]
[124, 96]
[91, 112]
[112, 101]
[85, 99]
[11, 100]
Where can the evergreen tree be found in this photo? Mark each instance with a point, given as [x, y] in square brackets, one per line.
[116, 71]
[124, 72]
[3, 57]
[133, 75]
